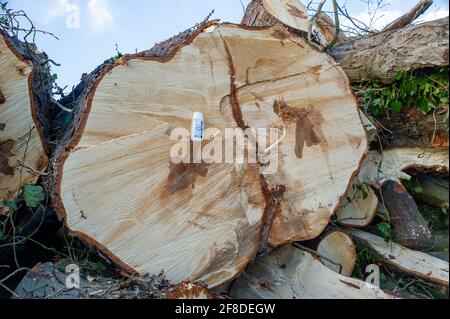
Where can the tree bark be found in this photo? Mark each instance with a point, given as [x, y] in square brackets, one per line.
[409, 227]
[115, 186]
[381, 56]
[410, 16]
[267, 13]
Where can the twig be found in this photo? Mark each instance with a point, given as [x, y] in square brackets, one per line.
[337, 26]
[15, 272]
[31, 169]
[313, 20]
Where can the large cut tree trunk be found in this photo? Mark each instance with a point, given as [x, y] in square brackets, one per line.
[117, 188]
[380, 57]
[22, 142]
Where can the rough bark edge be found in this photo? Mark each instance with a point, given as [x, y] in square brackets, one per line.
[266, 21]
[256, 15]
[187, 290]
[340, 52]
[16, 48]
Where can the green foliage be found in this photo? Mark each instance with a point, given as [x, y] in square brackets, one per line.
[33, 195]
[363, 259]
[385, 230]
[10, 204]
[360, 191]
[425, 90]
[413, 186]
[117, 56]
[437, 217]
[3, 8]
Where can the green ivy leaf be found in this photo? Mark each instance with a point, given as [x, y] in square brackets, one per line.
[33, 195]
[385, 230]
[10, 204]
[396, 106]
[365, 194]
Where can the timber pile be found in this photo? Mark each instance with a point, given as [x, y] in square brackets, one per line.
[289, 223]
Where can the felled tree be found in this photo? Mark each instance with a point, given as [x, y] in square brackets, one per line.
[117, 187]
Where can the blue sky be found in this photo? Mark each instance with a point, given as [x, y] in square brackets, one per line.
[139, 24]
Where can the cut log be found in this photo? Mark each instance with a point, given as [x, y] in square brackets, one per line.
[312, 175]
[117, 187]
[327, 28]
[393, 164]
[338, 252]
[21, 138]
[410, 16]
[406, 260]
[435, 191]
[290, 273]
[267, 13]
[359, 209]
[409, 227]
[380, 57]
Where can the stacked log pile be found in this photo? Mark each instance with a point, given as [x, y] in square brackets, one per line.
[287, 223]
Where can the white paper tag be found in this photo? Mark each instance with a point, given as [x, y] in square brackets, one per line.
[198, 127]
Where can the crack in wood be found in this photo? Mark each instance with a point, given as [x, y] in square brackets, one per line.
[2, 98]
[235, 106]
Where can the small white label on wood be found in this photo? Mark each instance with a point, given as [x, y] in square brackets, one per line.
[374, 277]
[198, 127]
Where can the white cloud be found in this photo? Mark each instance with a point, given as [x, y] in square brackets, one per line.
[66, 9]
[100, 15]
[433, 14]
[382, 19]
